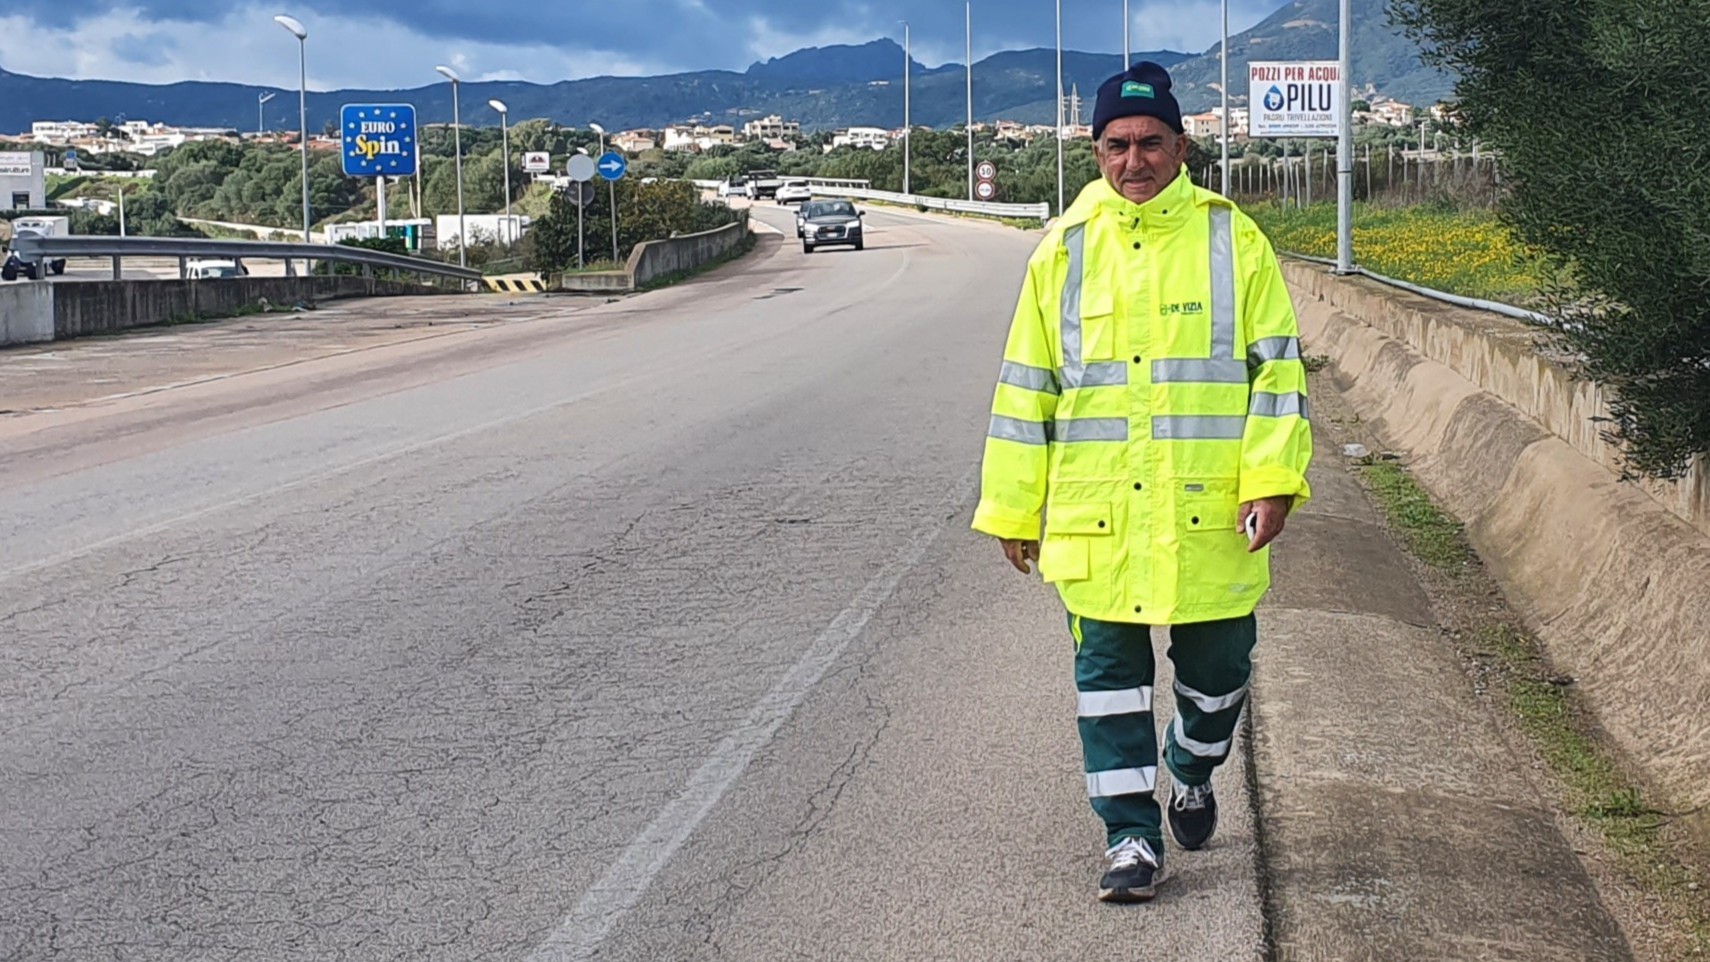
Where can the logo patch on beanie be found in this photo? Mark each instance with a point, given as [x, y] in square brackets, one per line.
[1134, 88]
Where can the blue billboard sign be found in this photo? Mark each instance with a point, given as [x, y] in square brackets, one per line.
[379, 140]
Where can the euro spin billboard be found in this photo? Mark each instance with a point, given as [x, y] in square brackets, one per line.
[379, 140]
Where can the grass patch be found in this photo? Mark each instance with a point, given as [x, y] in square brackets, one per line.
[1466, 252]
[1430, 534]
[1593, 787]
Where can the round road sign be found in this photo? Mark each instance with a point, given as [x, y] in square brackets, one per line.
[581, 193]
[985, 190]
[985, 170]
[581, 167]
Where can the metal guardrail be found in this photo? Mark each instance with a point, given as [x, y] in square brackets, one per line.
[1039, 212]
[811, 181]
[117, 248]
[1495, 307]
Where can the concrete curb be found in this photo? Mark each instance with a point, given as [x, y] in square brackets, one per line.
[1612, 582]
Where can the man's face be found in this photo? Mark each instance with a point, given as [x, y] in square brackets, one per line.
[1140, 156]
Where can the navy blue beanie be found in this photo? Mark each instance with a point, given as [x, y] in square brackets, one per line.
[1142, 90]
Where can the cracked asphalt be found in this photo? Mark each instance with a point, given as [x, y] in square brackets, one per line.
[647, 629]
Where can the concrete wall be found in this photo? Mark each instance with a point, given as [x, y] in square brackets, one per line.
[26, 313]
[1502, 356]
[101, 307]
[658, 258]
[1612, 579]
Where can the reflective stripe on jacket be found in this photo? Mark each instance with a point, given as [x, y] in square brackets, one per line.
[1151, 384]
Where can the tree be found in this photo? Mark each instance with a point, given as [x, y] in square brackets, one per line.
[1596, 109]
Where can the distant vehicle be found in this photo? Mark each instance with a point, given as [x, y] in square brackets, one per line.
[831, 223]
[734, 187]
[794, 192]
[16, 265]
[212, 270]
[763, 183]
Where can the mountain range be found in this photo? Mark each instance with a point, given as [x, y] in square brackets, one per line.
[821, 87]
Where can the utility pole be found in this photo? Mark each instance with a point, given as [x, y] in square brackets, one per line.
[261, 113]
[908, 63]
[1223, 54]
[1345, 152]
[1059, 108]
[1127, 57]
[968, 15]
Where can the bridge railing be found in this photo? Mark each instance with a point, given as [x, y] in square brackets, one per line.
[36, 248]
[1039, 212]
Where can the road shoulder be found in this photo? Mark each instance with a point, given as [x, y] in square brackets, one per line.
[1397, 820]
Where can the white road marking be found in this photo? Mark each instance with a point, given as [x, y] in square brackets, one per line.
[606, 901]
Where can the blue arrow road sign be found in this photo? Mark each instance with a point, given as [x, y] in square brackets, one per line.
[379, 140]
[612, 165]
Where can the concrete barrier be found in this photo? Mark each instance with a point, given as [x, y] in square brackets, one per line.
[26, 313]
[659, 258]
[1610, 578]
[82, 308]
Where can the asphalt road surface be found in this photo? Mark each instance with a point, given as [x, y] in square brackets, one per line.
[649, 629]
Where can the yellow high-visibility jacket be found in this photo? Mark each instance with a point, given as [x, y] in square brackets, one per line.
[1151, 384]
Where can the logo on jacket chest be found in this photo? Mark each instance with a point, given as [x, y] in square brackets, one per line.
[1183, 307]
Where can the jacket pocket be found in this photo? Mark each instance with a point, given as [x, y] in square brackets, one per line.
[1215, 565]
[1072, 532]
[1098, 324]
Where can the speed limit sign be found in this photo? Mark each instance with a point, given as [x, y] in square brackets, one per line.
[985, 190]
[986, 170]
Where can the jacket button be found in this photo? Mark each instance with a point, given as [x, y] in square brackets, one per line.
[1136, 245]
[1136, 609]
[1196, 521]
[1137, 359]
[1101, 524]
[1139, 487]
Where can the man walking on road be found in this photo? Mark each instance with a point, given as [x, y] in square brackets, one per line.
[1151, 416]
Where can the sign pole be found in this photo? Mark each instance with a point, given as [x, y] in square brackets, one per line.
[1345, 155]
[580, 262]
[380, 201]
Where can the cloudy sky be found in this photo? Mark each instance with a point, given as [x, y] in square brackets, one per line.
[398, 42]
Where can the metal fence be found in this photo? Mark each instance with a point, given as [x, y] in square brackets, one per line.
[34, 248]
[1039, 212]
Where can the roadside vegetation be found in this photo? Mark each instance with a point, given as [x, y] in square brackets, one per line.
[1466, 251]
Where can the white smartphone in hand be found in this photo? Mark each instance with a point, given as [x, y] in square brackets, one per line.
[1252, 527]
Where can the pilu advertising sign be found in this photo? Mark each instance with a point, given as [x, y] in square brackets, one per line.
[1299, 99]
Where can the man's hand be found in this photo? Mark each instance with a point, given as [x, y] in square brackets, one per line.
[1272, 514]
[1021, 552]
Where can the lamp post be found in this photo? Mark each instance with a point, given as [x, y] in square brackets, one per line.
[908, 62]
[505, 135]
[1223, 54]
[457, 152]
[261, 115]
[1345, 155]
[297, 30]
[1059, 108]
[611, 185]
[968, 16]
[1127, 59]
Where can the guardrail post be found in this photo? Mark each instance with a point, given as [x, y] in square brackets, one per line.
[118, 273]
[183, 268]
[290, 267]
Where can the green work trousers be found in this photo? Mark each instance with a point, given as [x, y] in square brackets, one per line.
[1114, 671]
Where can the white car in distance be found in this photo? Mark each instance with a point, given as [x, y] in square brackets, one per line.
[794, 192]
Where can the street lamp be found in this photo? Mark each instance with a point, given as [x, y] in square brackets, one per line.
[260, 114]
[968, 15]
[297, 30]
[1059, 108]
[908, 61]
[505, 133]
[611, 186]
[457, 152]
[1127, 59]
[1223, 54]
